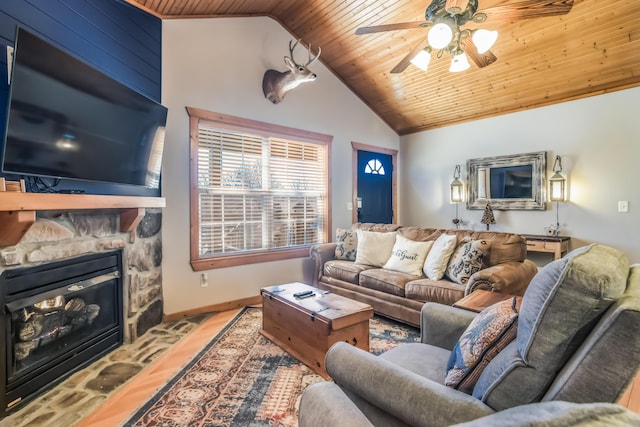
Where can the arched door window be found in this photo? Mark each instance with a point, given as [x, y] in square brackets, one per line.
[374, 167]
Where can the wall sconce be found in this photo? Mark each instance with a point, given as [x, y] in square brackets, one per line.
[457, 193]
[557, 182]
[557, 191]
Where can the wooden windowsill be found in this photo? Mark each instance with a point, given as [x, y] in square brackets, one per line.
[18, 210]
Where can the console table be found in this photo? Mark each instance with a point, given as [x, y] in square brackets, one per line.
[556, 245]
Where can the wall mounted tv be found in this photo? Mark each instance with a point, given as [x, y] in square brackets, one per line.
[68, 120]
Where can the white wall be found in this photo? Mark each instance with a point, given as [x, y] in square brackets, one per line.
[217, 65]
[598, 139]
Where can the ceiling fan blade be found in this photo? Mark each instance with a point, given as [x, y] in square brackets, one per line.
[389, 27]
[527, 9]
[481, 59]
[404, 63]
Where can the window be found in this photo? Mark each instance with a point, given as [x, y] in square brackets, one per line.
[374, 167]
[259, 192]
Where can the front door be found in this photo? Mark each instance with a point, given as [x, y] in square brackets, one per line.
[374, 202]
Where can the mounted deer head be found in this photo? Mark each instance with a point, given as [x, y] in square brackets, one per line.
[276, 84]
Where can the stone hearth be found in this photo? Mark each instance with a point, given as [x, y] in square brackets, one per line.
[62, 235]
[83, 392]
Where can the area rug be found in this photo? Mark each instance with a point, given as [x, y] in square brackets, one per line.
[242, 379]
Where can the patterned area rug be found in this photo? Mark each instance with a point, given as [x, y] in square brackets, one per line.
[242, 379]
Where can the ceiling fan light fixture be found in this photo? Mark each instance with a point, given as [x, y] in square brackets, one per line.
[484, 39]
[459, 62]
[439, 36]
[455, 7]
[421, 60]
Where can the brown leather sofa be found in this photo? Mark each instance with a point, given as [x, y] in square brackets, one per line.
[399, 295]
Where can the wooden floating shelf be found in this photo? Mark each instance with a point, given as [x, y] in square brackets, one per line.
[15, 201]
[18, 210]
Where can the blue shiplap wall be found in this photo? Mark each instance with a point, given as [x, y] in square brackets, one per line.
[111, 35]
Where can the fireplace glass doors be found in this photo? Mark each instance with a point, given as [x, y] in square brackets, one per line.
[58, 318]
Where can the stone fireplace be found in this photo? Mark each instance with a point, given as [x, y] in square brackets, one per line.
[80, 258]
[61, 235]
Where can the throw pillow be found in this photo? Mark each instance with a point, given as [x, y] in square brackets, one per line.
[347, 243]
[408, 256]
[438, 257]
[467, 259]
[374, 248]
[489, 332]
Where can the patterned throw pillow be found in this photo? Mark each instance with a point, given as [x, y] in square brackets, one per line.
[347, 243]
[489, 332]
[408, 256]
[467, 259]
[374, 248]
[438, 257]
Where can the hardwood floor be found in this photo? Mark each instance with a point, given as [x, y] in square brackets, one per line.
[631, 398]
[132, 395]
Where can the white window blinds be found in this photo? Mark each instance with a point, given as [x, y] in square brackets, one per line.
[257, 192]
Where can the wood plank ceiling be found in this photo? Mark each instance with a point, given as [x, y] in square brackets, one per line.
[593, 49]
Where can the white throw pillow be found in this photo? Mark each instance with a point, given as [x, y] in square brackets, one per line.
[408, 256]
[438, 257]
[374, 248]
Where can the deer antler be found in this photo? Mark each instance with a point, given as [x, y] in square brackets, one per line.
[291, 49]
[312, 60]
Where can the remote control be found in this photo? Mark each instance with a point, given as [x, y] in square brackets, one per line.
[305, 294]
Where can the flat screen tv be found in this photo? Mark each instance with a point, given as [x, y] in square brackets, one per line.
[68, 120]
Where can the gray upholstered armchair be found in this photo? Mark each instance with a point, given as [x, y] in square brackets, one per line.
[577, 340]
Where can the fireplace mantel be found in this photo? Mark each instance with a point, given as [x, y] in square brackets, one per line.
[18, 210]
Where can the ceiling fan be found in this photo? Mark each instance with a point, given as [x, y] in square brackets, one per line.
[444, 18]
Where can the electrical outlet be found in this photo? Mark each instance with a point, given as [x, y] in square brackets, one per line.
[204, 280]
[623, 206]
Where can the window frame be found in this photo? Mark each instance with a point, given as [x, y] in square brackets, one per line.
[225, 121]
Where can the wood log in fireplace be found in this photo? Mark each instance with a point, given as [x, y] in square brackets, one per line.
[51, 320]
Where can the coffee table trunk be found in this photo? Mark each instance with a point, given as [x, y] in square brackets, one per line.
[306, 328]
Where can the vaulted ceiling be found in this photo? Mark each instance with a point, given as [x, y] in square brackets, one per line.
[593, 49]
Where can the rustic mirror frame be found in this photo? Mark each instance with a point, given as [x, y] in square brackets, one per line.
[538, 161]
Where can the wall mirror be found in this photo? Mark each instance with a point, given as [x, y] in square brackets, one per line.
[509, 182]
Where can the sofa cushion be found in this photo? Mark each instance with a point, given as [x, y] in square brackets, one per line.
[389, 281]
[441, 291]
[378, 227]
[607, 362]
[347, 271]
[505, 247]
[560, 414]
[346, 244]
[560, 295]
[374, 248]
[408, 256]
[467, 259]
[558, 310]
[489, 333]
[421, 234]
[428, 361]
[436, 263]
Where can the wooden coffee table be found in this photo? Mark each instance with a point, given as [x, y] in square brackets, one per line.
[307, 327]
